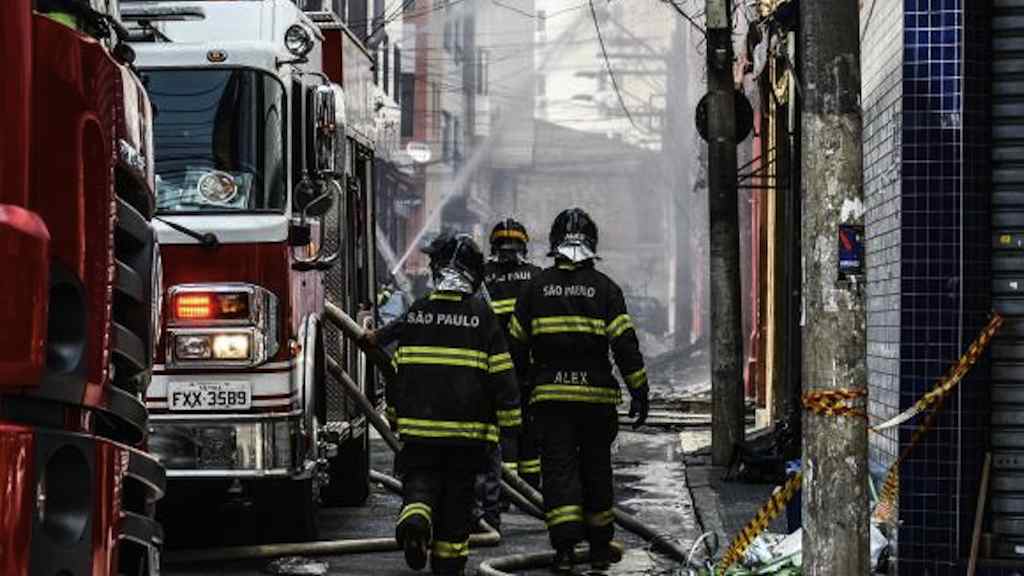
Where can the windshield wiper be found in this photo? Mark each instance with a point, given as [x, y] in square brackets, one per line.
[206, 239]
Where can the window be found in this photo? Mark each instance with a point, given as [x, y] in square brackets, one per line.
[408, 101]
[220, 139]
[435, 107]
[385, 71]
[456, 140]
[457, 39]
[398, 74]
[482, 61]
[446, 137]
[358, 18]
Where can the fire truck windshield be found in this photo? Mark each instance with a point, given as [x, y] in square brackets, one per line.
[220, 140]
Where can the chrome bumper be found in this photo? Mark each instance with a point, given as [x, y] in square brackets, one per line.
[247, 446]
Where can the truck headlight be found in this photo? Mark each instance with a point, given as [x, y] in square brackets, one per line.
[192, 347]
[212, 346]
[231, 346]
[221, 325]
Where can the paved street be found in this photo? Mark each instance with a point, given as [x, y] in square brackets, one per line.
[650, 484]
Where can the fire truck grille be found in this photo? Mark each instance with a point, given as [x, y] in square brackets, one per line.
[338, 407]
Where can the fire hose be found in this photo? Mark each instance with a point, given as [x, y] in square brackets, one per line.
[512, 485]
[488, 539]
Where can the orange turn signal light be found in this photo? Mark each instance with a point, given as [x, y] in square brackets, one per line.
[211, 306]
[193, 306]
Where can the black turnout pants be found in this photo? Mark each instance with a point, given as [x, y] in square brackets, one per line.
[529, 450]
[488, 489]
[438, 500]
[576, 463]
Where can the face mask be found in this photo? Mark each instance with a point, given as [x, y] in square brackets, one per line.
[575, 251]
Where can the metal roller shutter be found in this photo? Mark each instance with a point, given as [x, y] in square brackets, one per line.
[1007, 423]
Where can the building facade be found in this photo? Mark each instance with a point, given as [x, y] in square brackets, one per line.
[928, 187]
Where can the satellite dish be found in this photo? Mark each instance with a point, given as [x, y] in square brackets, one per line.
[419, 152]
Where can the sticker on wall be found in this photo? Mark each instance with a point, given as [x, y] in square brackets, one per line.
[851, 251]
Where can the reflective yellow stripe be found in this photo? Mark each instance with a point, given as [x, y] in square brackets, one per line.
[516, 330]
[620, 325]
[566, 267]
[514, 234]
[451, 297]
[505, 306]
[602, 518]
[637, 379]
[529, 466]
[505, 367]
[447, 429]
[499, 363]
[570, 393]
[443, 351]
[510, 418]
[564, 514]
[441, 355]
[444, 549]
[512, 466]
[415, 509]
[570, 324]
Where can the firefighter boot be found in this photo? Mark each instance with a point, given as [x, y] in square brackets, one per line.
[415, 541]
[600, 557]
[564, 560]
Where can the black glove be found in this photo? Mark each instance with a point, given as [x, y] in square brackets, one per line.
[640, 406]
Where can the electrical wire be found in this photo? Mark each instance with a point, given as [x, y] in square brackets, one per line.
[608, 65]
[687, 17]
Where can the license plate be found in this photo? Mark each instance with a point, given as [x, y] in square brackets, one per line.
[188, 396]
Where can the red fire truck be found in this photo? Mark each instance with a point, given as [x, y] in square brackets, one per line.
[264, 154]
[78, 299]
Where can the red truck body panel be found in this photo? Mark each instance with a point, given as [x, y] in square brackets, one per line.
[17, 487]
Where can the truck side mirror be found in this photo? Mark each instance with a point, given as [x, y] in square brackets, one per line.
[312, 198]
[325, 130]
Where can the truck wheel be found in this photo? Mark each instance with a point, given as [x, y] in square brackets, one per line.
[290, 508]
[350, 473]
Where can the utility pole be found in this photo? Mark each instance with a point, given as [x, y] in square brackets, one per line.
[835, 500]
[727, 410]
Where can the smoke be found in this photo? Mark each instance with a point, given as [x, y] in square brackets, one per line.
[536, 117]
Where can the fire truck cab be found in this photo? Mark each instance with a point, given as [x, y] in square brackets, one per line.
[264, 211]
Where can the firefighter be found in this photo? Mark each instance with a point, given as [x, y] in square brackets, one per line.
[504, 277]
[455, 395]
[566, 318]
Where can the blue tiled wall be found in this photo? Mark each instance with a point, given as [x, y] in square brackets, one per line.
[933, 244]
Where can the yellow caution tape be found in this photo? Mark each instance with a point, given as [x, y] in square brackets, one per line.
[839, 402]
[950, 381]
[771, 509]
[834, 401]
